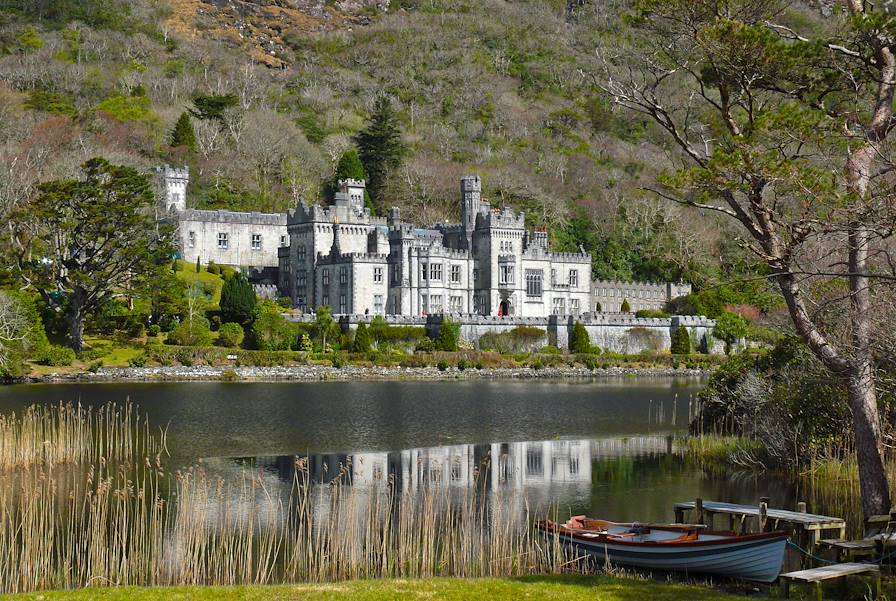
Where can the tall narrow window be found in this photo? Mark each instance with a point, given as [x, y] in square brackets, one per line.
[455, 274]
[435, 272]
[506, 274]
[378, 304]
[222, 240]
[343, 275]
[326, 277]
[574, 306]
[256, 241]
[377, 275]
[343, 307]
[534, 282]
[300, 253]
[573, 278]
[424, 271]
[191, 239]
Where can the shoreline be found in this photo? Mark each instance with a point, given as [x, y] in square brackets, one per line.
[315, 373]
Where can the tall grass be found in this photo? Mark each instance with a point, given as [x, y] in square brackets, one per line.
[101, 510]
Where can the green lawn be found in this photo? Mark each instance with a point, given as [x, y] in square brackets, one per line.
[187, 273]
[560, 588]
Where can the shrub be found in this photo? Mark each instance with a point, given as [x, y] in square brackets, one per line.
[625, 308]
[193, 332]
[305, 344]
[362, 342]
[213, 268]
[463, 364]
[681, 341]
[442, 365]
[549, 350]
[95, 366]
[426, 345]
[519, 339]
[238, 301]
[448, 337]
[128, 109]
[338, 361]
[58, 356]
[537, 364]
[155, 329]
[138, 361]
[730, 328]
[230, 334]
[651, 313]
[285, 302]
[51, 102]
[579, 341]
[271, 331]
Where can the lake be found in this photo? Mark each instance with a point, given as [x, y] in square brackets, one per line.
[598, 446]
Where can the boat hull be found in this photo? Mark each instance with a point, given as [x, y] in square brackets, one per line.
[758, 557]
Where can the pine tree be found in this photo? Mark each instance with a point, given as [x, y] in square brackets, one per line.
[579, 341]
[625, 308]
[380, 148]
[198, 265]
[349, 166]
[238, 300]
[362, 341]
[681, 341]
[183, 134]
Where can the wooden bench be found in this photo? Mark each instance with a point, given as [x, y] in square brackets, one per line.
[849, 549]
[832, 572]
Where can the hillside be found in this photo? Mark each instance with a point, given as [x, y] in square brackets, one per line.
[502, 89]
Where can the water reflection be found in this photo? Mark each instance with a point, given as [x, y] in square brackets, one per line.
[622, 478]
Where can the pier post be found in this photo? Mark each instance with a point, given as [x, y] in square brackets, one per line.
[801, 507]
[763, 514]
[698, 510]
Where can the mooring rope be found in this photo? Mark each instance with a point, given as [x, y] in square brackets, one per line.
[829, 562]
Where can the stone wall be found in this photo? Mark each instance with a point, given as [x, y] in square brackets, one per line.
[617, 333]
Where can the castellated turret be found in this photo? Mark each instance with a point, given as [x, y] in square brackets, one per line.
[173, 181]
[471, 200]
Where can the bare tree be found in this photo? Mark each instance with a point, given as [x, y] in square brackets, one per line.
[13, 329]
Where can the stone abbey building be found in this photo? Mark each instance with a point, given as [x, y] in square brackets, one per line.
[357, 263]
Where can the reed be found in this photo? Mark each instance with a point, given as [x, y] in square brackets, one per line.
[101, 510]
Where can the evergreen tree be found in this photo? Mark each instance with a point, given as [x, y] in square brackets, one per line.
[349, 166]
[198, 265]
[625, 308]
[579, 342]
[380, 148]
[362, 341]
[681, 341]
[449, 336]
[238, 300]
[183, 134]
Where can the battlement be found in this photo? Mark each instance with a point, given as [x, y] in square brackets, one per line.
[352, 183]
[331, 259]
[168, 172]
[348, 214]
[442, 252]
[564, 257]
[507, 218]
[221, 216]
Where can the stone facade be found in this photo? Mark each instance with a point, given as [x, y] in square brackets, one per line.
[607, 295]
[233, 238]
[489, 264]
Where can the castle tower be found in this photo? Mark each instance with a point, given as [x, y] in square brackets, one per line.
[351, 192]
[471, 200]
[174, 182]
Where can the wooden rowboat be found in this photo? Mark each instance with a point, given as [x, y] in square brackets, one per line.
[674, 547]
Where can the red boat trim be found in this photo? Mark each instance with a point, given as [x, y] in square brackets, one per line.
[553, 528]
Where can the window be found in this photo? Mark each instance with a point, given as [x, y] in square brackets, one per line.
[533, 282]
[396, 274]
[559, 306]
[424, 271]
[477, 304]
[435, 272]
[326, 278]
[456, 471]
[300, 253]
[343, 307]
[456, 304]
[378, 304]
[455, 274]
[191, 239]
[302, 278]
[256, 241]
[222, 240]
[435, 303]
[343, 275]
[475, 275]
[573, 278]
[283, 241]
[553, 277]
[377, 275]
[534, 465]
[574, 306]
[573, 466]
[506, 274]
[424, 302]
[325, 301]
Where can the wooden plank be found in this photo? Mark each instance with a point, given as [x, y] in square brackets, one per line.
[807, 519]
[847, 545]
[838, 570]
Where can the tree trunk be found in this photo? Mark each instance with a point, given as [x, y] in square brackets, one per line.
[75, 317]
[866, 424]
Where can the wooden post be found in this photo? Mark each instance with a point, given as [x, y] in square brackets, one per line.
[669, 445]
[698, 510]
[801, 507]
[679, 516]
[763, 514]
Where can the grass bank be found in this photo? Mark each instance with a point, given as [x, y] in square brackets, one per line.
[562, 588]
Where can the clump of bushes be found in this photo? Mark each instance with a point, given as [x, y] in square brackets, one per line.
[231, 334]
[271, 331]
[449, 336]
[58, 356]
[521, 339]
[192, 332]
[651, 313]
[681, 342]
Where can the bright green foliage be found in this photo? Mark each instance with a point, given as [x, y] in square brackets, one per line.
[191, 332]
[213, 107]
[579, 342]
[651, 313]
[380, 148]
[305, 343]
[238, 300]
[271, 331]
[625, 307]
[449, 336]
[183, 134]
[128, 109]
[58, 356]
[22, 335]
[681, 341]
[230, 334]
[91, 238]
[362, 342]
[730, 328]
[519, 339]
[30, 41]
[54, 103]
[167, 299]
[349, 166]
[326, 329]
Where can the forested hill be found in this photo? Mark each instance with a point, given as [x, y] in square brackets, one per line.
[506, 90]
